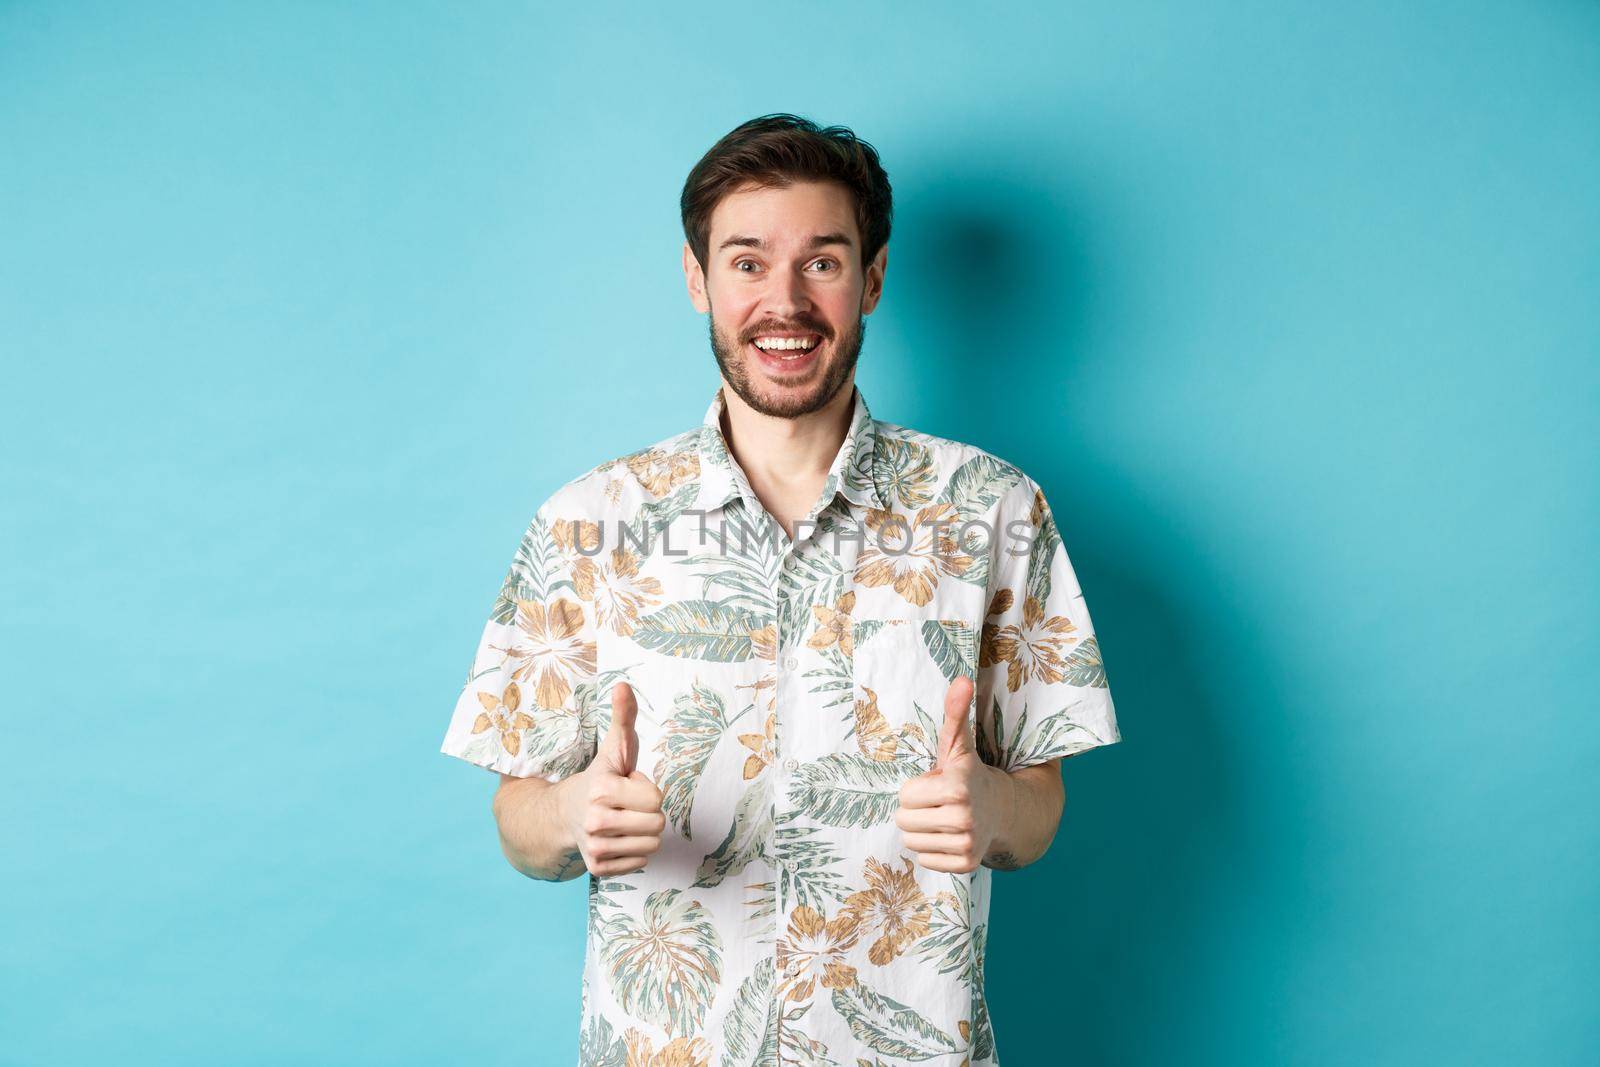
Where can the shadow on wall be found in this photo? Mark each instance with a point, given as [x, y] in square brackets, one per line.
[1106, 948]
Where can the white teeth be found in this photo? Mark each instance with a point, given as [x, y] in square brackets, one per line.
[785, 344]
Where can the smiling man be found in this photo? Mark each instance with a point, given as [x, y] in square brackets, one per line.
[790, 684]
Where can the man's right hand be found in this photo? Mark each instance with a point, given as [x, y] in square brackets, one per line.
[612, 811]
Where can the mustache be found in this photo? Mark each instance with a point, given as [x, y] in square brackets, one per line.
[798, 327]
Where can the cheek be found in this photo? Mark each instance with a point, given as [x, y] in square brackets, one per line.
[734, 315]
[840, 307]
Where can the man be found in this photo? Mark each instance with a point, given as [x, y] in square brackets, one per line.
[787, 685]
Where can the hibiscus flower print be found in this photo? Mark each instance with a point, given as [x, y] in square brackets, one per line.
[616, 589]
[912, 555]
[893, 905]
[813, 951]
[679, 1052]
[662, 472]
[576, 537]
[1035, 649]
[550, 649]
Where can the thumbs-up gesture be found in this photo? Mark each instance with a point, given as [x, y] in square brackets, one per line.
[612, 811]
[951, 814]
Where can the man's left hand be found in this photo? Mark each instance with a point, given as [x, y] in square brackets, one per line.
[951, 815]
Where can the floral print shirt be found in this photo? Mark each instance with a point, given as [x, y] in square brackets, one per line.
[786, 688]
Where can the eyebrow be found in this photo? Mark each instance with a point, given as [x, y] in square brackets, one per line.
[818, 241]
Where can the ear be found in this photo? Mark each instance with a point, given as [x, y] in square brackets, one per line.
[695, 277]
[873, 290]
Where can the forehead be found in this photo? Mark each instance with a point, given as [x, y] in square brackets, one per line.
[784, 216]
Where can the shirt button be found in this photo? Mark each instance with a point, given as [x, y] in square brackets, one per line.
[792, 968]
[790, 663]
[791, 764]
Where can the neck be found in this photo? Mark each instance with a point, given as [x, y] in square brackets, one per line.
[778, 453]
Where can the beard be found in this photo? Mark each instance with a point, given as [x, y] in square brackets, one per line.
[732, 359]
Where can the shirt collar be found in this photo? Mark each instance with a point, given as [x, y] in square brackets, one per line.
[852, 472]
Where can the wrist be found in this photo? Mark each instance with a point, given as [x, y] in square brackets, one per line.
[1001, 852]
[565, 809]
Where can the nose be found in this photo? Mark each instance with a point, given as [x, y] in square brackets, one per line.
[786, 296]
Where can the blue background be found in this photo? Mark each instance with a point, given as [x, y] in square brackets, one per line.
[1290, 307]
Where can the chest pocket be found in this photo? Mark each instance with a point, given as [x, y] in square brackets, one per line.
[900, 671]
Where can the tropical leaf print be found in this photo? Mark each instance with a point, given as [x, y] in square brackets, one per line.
[1024, 749]
[664, 966]
[599, 1046]
[700, 629]
[977, 484]
[763, 905]
[816, 579]
[953, 645]
[759, 1030]
[866, 629]
[746, 562]
[1042, 551]
[746, 838]
[536, 571]
[890, 1027]
[600, 894]
[749, 1030]
[699, 721]
[808, 864]
[655, 516]
[906, 470]
[1051, 739]
[863, 440]
[983, 1036]
[848, 789]
[918, 739]
[1084, 667]
[948, 945]
[834, 680]
[975, 548]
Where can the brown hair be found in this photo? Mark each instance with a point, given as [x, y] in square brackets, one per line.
[775, 150]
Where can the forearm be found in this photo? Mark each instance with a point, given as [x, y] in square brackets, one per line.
[533, 836]
[1028, 826]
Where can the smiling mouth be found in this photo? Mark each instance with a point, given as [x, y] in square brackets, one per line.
[785, 346]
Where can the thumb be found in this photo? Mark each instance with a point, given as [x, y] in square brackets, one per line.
[955, 735]
[621, 746]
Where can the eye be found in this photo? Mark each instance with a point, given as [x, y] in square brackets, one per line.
[834, 265]
[744, 263]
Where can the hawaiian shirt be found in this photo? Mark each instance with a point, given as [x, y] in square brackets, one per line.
[786, 688]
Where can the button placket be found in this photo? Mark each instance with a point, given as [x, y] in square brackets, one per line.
[780, 917]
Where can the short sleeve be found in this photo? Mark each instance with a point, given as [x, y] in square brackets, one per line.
[528, 707]
[1041, 684]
